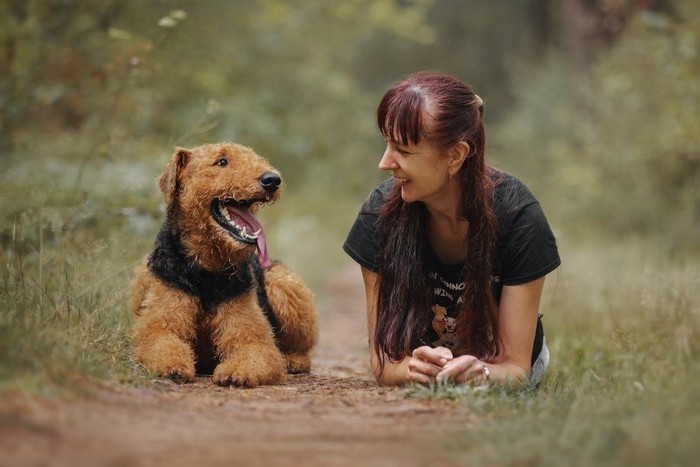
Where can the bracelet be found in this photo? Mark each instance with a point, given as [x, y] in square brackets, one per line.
[487, 373]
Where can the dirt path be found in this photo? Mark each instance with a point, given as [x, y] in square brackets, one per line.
[336, 416]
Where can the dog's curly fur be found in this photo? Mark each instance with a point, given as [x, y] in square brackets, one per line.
[204, 302]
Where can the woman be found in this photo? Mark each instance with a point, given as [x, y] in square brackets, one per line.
[453, 253]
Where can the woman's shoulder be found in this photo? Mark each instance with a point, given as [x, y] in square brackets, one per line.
[510, 194]
[378, 196]
[362, 242]
[384, 187]
[526, 247]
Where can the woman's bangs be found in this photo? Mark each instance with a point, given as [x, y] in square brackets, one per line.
[399, 118]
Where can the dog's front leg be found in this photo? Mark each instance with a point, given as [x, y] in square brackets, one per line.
[164, 329]
[293, 304]
[245, 344]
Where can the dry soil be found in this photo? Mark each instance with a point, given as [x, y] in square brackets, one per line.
[335, 416]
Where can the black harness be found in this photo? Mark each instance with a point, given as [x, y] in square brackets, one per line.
[169, 262]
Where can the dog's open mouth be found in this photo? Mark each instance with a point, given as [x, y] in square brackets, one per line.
[236, 218]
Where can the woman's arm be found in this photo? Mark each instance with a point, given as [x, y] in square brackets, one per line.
[420, 367]
[518, 310]
[518, 322]
[394, 372]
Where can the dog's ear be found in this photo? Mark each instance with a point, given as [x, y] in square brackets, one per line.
[169, 181]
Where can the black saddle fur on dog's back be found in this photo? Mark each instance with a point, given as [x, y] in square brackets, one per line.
[170, 263]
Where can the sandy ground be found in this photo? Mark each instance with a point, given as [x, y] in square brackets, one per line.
[335, 416]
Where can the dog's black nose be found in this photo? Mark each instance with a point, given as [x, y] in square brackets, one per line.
[270, 181]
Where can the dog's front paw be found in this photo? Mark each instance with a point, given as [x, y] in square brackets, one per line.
[298, 363]
[166, 356]
[178, 373]
[250, 371]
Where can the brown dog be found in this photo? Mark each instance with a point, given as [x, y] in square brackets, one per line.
[205, 302]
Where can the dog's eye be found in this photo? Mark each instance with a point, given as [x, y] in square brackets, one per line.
[223, 162]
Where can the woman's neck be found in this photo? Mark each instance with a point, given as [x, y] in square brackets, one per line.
[447, 229]
[444, 209]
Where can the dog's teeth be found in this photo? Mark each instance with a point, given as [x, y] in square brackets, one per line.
[257, 233]
[224, 212]
[249, 235]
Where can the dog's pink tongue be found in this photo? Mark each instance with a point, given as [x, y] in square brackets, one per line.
[262, 251]
[244, 218]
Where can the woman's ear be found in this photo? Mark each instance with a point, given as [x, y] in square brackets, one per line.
[458, 155]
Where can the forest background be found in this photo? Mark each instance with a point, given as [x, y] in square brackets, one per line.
[594, 104]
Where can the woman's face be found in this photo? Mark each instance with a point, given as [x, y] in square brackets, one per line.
[420, 169]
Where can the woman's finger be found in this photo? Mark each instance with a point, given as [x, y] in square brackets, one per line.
[428, 354]
[461, 370]
[453, 372]
[423, 367]
[419, 378]
[445, 352]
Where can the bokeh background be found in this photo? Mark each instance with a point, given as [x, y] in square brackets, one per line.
[594, 104]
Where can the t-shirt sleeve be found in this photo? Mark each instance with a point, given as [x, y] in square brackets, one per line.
[362, 242]
[530, 248]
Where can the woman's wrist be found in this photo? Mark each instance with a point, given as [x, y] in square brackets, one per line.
[486, 372]
[503, 373]
[393, 373]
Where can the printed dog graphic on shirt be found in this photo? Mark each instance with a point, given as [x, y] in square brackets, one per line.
[438, 321]
[445, 327]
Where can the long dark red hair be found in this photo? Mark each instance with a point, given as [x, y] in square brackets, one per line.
[443, 111]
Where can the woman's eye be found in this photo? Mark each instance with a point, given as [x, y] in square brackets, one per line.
[222, 162]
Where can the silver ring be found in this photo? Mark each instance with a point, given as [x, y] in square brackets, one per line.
[487, 373]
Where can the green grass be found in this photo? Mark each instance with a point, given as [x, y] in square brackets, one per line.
[623, 327]
[63, 300]
[66, 255]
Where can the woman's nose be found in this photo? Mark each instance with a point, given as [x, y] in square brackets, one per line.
[387, 162]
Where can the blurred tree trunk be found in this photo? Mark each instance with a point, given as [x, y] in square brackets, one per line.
[14, 11]
[543, 23]
[577, 47]
[574, 17]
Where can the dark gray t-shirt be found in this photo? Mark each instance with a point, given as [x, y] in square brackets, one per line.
[525, 250]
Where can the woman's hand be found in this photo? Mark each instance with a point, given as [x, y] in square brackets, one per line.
[465, 369]
[426, 363]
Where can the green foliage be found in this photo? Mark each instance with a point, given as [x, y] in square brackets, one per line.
[615, 150]
[50, 63]
[651, 157]
[286, 78]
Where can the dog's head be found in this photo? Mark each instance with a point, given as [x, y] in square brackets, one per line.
[214, 190]
[450, 324]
